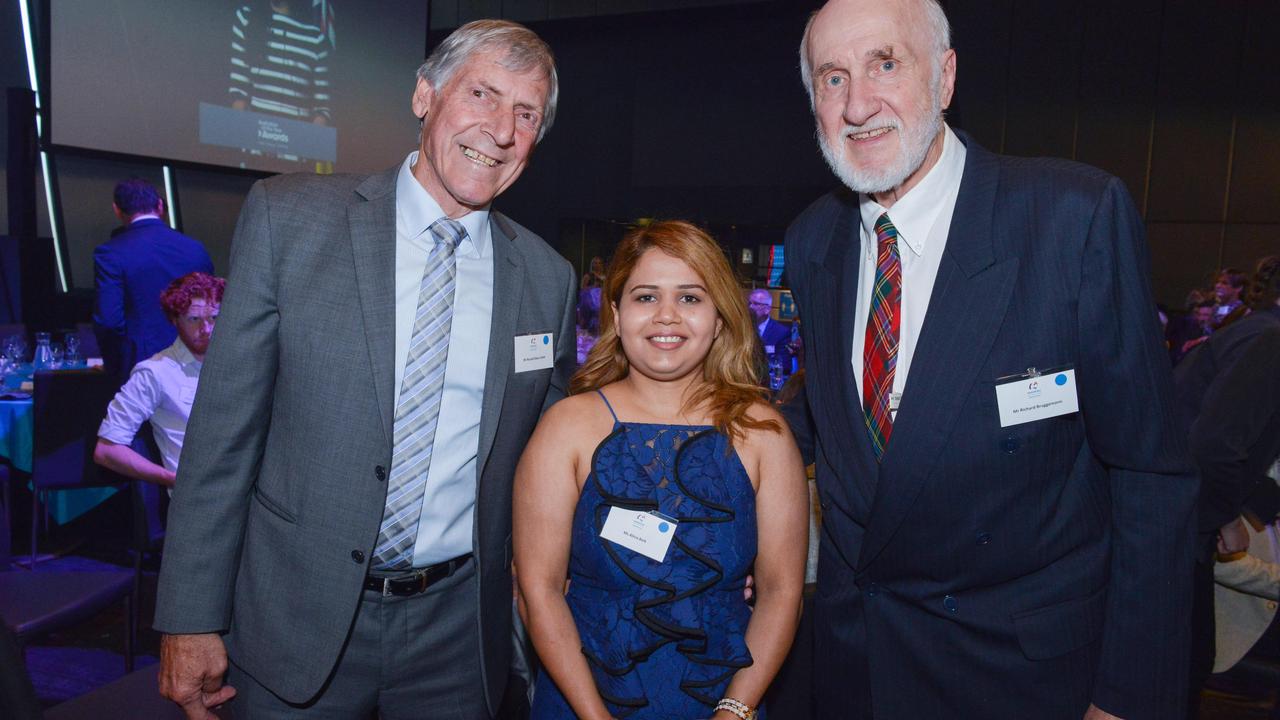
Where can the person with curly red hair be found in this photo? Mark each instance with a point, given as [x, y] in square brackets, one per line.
[162, 388]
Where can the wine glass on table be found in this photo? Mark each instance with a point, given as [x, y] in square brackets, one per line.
[73, 350]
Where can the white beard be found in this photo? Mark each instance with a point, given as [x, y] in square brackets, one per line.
[913, 146]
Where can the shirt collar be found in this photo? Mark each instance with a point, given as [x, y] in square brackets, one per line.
[180, 353]
[416, 210]
[914, 213]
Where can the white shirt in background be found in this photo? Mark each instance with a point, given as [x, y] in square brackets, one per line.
[160, 389]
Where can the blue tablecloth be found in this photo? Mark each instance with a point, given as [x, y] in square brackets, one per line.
[17, 429]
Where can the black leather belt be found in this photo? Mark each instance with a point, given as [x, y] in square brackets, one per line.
[416, 582]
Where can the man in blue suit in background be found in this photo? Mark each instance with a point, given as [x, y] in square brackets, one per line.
[1008, 505]
[131, 270]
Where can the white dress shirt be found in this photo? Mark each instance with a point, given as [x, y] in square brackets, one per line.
[160, 389]
[923, 219]
[448, 502]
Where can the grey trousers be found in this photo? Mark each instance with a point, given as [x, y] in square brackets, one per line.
[407, 658]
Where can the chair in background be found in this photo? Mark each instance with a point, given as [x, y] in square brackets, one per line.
[149, 505]
[133, 697]
[17, 698]
[37, 602]
[68, 408]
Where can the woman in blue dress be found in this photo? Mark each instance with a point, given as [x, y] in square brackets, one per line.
[654, 490]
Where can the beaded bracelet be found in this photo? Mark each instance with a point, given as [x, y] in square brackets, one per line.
[737, 707]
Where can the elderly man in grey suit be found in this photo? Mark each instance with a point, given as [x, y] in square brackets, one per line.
[341, 527]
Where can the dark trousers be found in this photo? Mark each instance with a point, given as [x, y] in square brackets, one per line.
[406, 658]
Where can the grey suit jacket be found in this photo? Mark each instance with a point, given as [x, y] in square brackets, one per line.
[280, 489]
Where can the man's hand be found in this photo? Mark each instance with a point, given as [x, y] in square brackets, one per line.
[191, 671]
[1093, 713]
[1233, 537]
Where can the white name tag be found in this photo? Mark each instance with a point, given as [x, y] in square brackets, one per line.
[1035, 398]
[648, 533]
[535, 352]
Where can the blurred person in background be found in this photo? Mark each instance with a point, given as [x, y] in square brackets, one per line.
[162, 388]
[775, 336]
[1197, 322]
[131, 270]
[1228, 289]
[1222, 392]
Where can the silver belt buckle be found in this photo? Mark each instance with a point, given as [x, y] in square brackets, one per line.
[386, 587]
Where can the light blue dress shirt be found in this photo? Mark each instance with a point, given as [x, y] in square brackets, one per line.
[448, 503]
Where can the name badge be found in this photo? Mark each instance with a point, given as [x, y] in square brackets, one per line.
[535, 352]
[648, 533]
[1034, 396]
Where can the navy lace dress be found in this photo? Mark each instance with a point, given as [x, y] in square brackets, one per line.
[662, 639]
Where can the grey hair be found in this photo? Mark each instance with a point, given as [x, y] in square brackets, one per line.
[524, 51]
[939, 31]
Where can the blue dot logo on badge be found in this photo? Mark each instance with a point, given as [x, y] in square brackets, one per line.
[1061, 379]
[546, 339]
[663, 527]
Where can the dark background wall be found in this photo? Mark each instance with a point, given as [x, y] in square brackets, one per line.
[695, 110]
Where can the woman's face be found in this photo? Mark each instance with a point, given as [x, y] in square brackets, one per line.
[666, 320]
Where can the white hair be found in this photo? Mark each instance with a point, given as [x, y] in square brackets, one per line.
[523, 49]
[939, 32]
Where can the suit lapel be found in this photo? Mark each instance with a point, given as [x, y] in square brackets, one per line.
[835, 277]
[966, 309]
[372, 224]
[508, 286]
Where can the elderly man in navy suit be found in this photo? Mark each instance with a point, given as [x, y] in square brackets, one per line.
[131, 270]
[1008, 502]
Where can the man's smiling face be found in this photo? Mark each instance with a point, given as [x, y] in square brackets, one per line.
[879, 88]
[478, 131]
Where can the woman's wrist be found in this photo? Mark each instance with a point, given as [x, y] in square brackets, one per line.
[734, 709]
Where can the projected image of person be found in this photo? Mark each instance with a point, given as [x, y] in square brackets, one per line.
[280, 64]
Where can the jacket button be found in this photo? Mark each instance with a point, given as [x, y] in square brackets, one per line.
[949, 602]
[380, 473]
[1010, 444]
[357, 556]
[983, 538]
[872, 590]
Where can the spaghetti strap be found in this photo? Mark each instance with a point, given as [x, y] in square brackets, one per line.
[606, 404]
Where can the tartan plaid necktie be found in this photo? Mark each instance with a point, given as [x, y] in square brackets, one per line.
[414, 430]
[880, 348]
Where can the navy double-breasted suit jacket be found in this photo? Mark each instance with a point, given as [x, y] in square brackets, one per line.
[981, 571]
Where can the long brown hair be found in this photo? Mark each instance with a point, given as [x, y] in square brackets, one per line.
[730, 385]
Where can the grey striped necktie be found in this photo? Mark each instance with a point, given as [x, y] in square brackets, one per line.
[414, 429]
